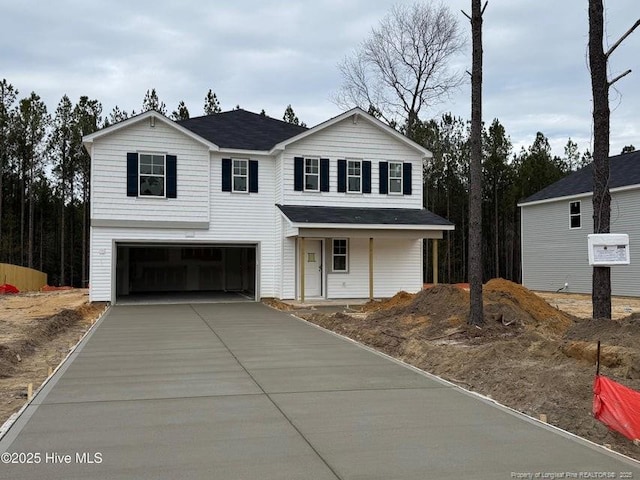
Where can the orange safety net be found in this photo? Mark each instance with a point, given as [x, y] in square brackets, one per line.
[617, 406]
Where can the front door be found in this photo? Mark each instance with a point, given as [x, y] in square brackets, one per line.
[313, 268]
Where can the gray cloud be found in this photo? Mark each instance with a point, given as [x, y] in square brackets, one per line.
[267, 54]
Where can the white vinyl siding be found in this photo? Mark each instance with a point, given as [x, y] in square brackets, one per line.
[397, 266]
[348, 140]
[250, 220]
[553, 254]
[109, 200]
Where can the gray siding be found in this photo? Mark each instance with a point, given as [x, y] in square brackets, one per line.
[553, 254]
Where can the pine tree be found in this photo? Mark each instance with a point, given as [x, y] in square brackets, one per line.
[116, 116]
[87, 118]
[60, 152]
[32, 121]
[8, 96]
[211, 103]
[181, 113]
[290, 117]
[152, 102]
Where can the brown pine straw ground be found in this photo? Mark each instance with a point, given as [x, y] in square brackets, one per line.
[37, 330]
[529, 355]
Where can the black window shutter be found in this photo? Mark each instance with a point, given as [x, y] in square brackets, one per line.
[366, 176]
[132, 174]
[384, 177]
[406, 178]
[342, 176]
[298, 174]
[226, 174]
[324, 174]
[172, 176]
[253, 176]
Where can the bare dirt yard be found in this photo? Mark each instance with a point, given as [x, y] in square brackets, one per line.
[535, 357]
[37, 331]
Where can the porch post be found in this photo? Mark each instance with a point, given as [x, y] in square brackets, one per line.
[434, 260]
[302, 262]
[370, 268]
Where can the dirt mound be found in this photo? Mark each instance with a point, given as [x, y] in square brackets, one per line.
[438, 302]
[620, 340]
[532, 310]
[399, 299]
[624, 332]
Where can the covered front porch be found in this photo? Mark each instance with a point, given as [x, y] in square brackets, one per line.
[347, 253]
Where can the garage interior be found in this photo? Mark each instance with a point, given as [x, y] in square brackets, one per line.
[145, 272]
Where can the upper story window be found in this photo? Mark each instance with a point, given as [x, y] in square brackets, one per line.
[354, 176]
[240, 175]
[575, 215]
[395, 177]
[312, 174]
[151, 175]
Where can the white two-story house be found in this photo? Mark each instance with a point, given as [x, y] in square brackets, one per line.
[239, 202]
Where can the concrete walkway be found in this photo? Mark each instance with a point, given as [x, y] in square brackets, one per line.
[240, 391]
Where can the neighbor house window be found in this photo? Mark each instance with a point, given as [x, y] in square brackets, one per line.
[312, 174]
[240, 175]
[395, 177]
[340, 254]
[354, 176]
[575, 215]
[151, 175]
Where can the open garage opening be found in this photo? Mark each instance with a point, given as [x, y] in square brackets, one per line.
[149, 273]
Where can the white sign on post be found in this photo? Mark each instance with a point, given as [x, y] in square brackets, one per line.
[608, 249]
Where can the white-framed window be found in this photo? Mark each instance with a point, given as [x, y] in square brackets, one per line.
[354, 176]
[575, 215]
[312, 174]
[151, 174]
[340, 255]
[395, 177]
[240, 175]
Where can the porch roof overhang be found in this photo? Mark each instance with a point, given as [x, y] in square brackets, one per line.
[322, 221]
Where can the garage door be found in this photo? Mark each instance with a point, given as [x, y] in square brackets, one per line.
[147, 269]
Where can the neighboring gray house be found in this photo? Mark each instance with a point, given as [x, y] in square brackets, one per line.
[557, 220]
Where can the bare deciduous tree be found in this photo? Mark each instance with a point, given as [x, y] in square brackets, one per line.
[404, 65]
[601, 280]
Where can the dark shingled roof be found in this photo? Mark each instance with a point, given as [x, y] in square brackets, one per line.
[361, 216]
[625, 170]
[242, 130]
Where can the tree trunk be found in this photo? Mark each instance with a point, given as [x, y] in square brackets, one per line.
[476, 316]
[41, 264]
[31, 214]
[63, 194]
[496, 229]
[601, 293]
[22, 212]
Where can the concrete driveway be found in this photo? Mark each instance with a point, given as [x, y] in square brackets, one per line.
[240, 391]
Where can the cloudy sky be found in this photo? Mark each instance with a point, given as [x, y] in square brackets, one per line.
[269, 53]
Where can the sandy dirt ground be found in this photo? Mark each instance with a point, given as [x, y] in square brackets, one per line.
[535, 357]
[580, 305]
[37, 331]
